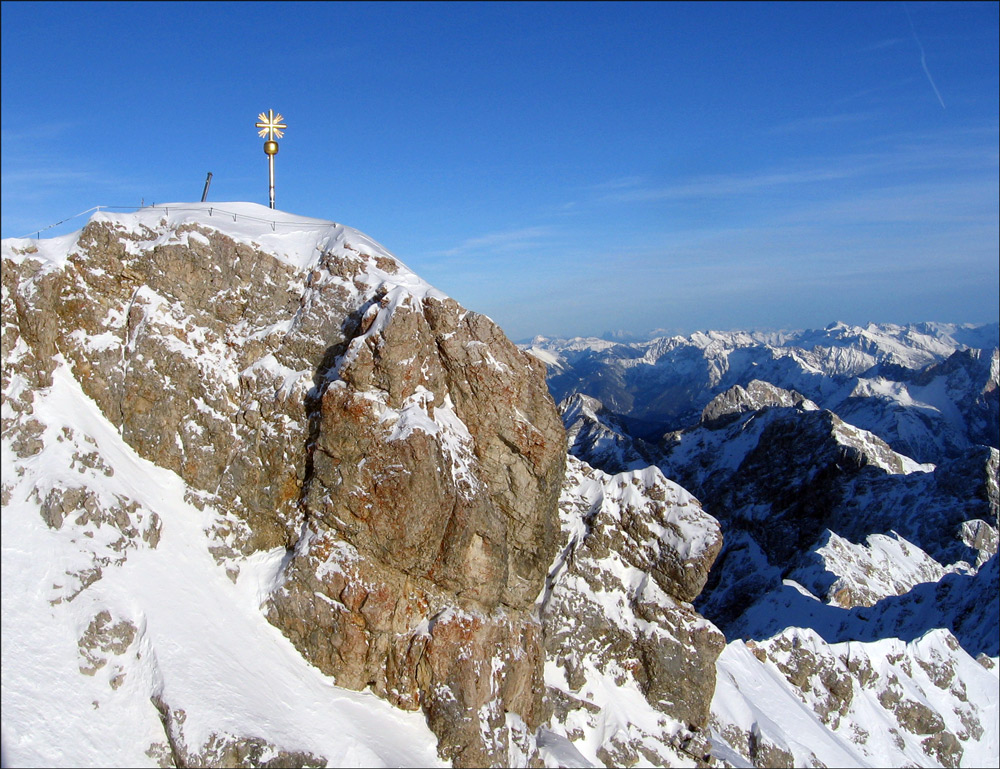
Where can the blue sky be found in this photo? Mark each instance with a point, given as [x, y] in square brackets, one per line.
[568, 169]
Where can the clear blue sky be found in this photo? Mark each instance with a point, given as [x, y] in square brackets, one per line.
[566, 169]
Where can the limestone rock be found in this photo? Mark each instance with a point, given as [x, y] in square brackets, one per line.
[431, 499]
[308, 382]
[635, 549]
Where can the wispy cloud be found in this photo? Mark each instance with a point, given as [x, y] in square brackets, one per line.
[37, 132]
[895, 159]
[881, 45]
[41, 177]
[822, 122]
[875, 92]
[499, 242]
[619, 183]
[725, 185]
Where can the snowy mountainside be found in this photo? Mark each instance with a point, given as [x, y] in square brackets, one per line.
[832, 507]
[833, 539]
[630, 669]
[277, 501]
[797, 700]
[835, 544]
[848, 570]
[125, 643]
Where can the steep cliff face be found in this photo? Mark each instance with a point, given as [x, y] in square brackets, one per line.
[435, 471]
[316, 396]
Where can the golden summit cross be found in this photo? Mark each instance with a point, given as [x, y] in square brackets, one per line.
[270, 125]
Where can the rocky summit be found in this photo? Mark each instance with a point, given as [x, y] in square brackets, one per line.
[252, 464]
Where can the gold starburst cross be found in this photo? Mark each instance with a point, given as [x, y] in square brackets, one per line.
[270, 125]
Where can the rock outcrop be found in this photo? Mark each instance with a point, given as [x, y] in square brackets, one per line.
[726, 407]
[631, 665]
[317, 396]
[435, 471]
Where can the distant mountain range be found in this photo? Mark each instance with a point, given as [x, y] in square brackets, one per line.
[853, 472]
[927, 389]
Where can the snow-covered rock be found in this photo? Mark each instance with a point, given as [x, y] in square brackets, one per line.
[308, 400]
[597, 436]
[797, 700]
[630, 666]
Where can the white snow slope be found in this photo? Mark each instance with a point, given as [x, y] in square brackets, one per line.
[176, 627]
[201, 642]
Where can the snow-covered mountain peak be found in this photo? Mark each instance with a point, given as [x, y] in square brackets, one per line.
[252, 465]
[316, 405]
[297, 241]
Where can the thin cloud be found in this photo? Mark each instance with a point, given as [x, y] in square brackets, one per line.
[620, 183]
[37, 132]
[48, 178]
[821, 123]
[496, 242]
[725, 185]
[908, 155]
[874, 92]
[881, 45]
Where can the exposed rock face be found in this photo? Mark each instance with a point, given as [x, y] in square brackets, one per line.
[440, 454]
[198, 346]
[635, 550]
[436, 469]
[308, 383]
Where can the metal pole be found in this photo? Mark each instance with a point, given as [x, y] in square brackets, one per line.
[270, 170]
[208, 181]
